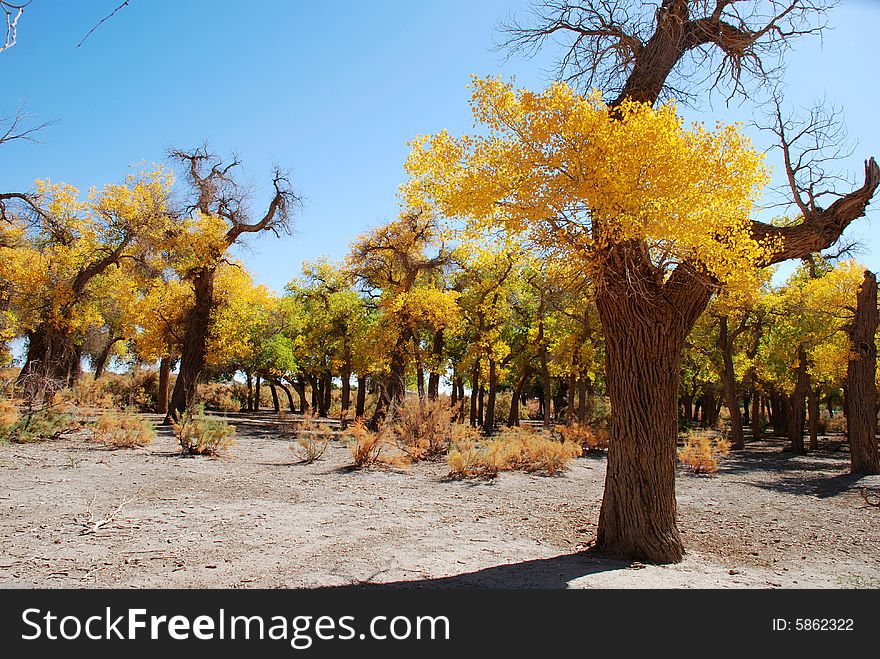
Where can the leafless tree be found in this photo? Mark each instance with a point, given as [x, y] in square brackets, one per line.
[675, 48]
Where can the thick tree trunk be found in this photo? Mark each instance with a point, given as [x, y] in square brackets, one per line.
[287, 393]
[361, 399]
[728, 382]
[545, 376]
[195, 342]
[489, 420]
[164, 382]
[300, 385]
[687, 408]
[481, 399]
[584, 386]
[420, 381]
[778, 415]
[756, 416]
[250, 391]
[644, 336]
[570, 407]
[437, 352]
[52, 360]
[861, 390]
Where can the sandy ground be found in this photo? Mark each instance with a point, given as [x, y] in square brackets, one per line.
[255, 518]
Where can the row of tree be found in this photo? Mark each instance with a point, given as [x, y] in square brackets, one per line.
[575, 236]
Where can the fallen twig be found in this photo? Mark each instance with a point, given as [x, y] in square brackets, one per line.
[91, 525]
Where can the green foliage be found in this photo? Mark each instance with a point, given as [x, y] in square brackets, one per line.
[200, 434]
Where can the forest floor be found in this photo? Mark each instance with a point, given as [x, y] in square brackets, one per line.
[256, 518]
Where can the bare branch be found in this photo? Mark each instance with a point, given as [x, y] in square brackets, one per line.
[101, 22]
[12, 12]
[654, 50]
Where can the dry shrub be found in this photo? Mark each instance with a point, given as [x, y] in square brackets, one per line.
[9, 418]
[836, 424]
[138, 389]
[532, 409]
[222, 396]
[589, 438]
[124, 429]
[201, 435]
[514, 449]
[310, 437]
[87, 391]
[701, 451]
[369, 448]
[423, 429]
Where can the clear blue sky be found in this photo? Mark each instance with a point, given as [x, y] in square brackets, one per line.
[332, 91]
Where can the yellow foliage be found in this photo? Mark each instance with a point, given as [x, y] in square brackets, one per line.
[591, 439]
[9, 417]
[575, 178]
[701, 452]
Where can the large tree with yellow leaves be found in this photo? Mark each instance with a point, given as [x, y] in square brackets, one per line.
[659, 213]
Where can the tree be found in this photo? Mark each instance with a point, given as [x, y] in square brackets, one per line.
[397, 264]
[861, 377]
[660, 214]
[219, 217]
[69, 246]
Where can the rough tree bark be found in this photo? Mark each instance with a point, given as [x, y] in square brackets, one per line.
[644, 336]
[861, 372]
[164, 382]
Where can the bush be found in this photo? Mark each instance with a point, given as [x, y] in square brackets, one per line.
[9, 418]
[588, 438]
[124, 430]
[310, 438]
[201, 435]
[701, 451]
[514, 449]
[370, 447]
[223, 397]
[836, 424]
[422, 429]
[87, 391]
[532, 409]
[41, 423]
[138, 389]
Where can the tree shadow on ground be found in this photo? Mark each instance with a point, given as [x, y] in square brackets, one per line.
[553, 573]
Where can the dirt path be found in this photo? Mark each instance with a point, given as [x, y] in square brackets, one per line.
[254, 519]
